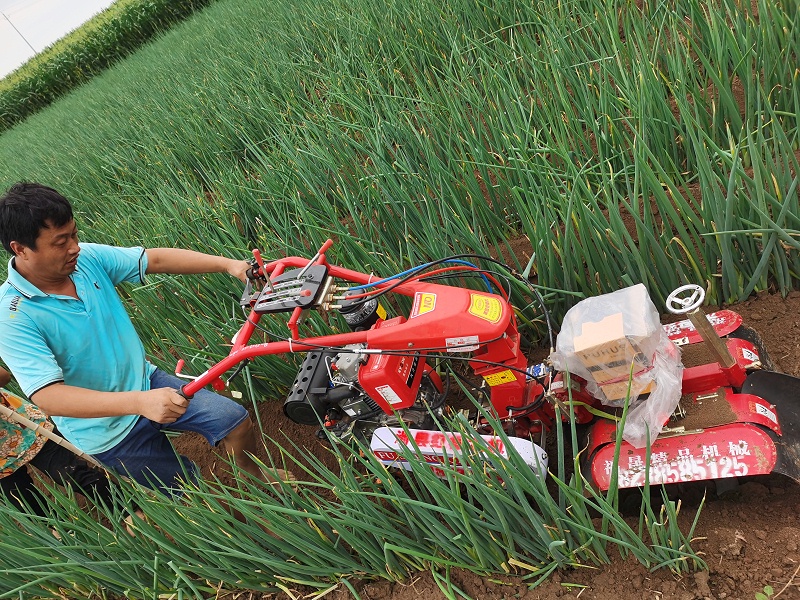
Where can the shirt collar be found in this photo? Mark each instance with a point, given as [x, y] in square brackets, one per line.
[22, 285]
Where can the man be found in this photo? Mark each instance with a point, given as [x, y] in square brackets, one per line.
[69, 342]
[20, 447]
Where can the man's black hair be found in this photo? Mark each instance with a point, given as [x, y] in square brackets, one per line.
[26, 209]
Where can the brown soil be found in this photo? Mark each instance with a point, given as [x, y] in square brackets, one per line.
[749, 538]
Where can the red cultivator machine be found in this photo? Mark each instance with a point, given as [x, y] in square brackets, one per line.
[380, 380]
[734, 418]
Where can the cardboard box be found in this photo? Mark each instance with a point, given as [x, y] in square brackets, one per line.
[609, 355]
[615, 392]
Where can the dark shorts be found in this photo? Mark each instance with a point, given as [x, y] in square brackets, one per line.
[146, 453]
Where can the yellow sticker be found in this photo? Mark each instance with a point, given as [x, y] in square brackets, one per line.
[381, 312]
[486, 307]
[424, 302]
[500, 378]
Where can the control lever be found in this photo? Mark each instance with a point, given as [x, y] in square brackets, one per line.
[260, 263]
[328, 243]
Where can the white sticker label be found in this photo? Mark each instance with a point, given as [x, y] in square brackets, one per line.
[388, 394]
[764, 411]
[561, 384]
[749, 355]
[467, 343]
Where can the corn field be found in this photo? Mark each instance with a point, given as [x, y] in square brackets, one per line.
[80, 55]
[600, 142]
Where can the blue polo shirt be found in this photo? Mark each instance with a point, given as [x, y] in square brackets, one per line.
[87, 342]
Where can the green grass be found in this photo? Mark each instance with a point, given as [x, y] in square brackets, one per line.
[361, 522]
[413, 131]
[655, 145]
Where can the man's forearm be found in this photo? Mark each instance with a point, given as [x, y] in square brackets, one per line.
[61, 400]
[162, 405]
[177, 261]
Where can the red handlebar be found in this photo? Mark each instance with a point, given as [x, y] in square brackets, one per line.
[243, 336]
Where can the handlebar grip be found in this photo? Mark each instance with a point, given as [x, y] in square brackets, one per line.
[256, 270]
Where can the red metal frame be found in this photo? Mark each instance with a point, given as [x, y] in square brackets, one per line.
[442, 319]
[733, 450]
[451, 319]
[747, 448]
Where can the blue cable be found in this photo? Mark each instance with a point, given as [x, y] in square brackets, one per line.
[420, 268]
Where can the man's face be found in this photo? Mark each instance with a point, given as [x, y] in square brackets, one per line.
[56, 253]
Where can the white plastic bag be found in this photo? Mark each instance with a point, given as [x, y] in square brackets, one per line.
[617, 344]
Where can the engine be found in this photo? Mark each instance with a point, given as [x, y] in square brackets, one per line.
[330, 390]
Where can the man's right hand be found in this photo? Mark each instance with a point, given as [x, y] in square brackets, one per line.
[163, 405]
